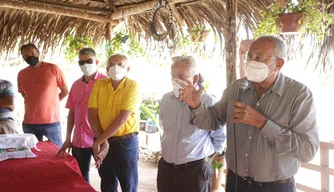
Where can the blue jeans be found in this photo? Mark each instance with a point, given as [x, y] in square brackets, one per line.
[51, 131]
[121, 164]
[83, 157]
[245, 186]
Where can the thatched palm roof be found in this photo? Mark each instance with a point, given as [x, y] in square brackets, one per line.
[47, 22]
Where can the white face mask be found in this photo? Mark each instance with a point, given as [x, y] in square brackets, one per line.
[88, 69]
[117, 72]
[257, 71]
[177, 87]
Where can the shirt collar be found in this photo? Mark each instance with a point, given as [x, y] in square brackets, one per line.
[172, 96]
[276, 87]
[122, 85]
[96, 77]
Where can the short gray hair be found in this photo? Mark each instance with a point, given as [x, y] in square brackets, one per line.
[125, 59]
[189, 61]
[87, 51]
[280, 49]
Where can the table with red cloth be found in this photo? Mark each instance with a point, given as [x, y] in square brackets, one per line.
[47, 173]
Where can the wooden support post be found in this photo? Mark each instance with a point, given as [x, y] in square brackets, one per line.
[231, 41]
[108, 31]
[57, 11]
[324, 161]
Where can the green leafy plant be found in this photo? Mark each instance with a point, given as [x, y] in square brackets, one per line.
[125, 44]
[185, 46]
[315, 20]
[195, 32]
[74, 44]
[198, 33]
[216, 165]
[216, 162]
[150, 109]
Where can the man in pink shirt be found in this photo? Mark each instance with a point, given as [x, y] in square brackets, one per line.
[77, 103]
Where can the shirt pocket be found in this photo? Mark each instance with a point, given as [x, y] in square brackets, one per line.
[117, 100]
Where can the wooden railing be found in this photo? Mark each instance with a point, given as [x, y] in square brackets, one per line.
[323, 168]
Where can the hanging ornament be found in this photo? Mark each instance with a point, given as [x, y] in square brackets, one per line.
[158, 8]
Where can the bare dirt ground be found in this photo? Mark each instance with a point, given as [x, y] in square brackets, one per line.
[147, 176]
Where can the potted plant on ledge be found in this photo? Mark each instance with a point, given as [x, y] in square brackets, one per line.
[308, 16]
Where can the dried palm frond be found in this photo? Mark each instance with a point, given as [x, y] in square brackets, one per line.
[19, 26]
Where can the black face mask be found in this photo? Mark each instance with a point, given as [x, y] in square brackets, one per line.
[32, 60]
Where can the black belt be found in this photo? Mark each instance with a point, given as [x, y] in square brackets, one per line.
[119, 138]
[5, 119]
[251, 181]
[187, 165]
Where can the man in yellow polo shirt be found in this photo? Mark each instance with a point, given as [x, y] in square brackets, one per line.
[113, 113]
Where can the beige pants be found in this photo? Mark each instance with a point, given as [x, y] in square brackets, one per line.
[8, 126]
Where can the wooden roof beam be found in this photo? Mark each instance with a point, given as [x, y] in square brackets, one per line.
[139, 8]
[111, 5]
[58, 11]
[56, 4]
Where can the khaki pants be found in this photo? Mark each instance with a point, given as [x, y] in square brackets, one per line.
[8, 126]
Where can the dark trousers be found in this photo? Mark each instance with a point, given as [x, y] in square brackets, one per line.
[245, 185]
[51, 131]
[121, 164]
[83, 157]
[194, 178]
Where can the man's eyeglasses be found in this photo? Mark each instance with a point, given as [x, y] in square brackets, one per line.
[259, 58]
[88, 61]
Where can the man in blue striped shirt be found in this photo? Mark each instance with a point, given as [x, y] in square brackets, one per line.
[185, 163]
[7, 122]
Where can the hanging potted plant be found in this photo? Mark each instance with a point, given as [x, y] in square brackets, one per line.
[198, 33]
[126, 44]
[185, 46]
[306, 16]
[74, 44]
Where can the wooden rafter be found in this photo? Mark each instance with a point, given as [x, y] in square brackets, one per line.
[139, 8]
[111, 5]
[69, 6]
[56, 10]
